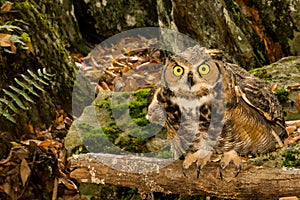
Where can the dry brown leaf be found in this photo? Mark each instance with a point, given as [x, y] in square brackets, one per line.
[273, 87]
[30, 128]
[293, 87]
[291, 129]
[127, 51]
[104, 85]
[125, 69]
[24, 171]
[59, 119]
[68, 183]
[5, 40]
[22, 153]
[293, 123]
[6, 7]
[8, 190]
[59, 122]
[68, 121]
[60, 126]
[77, 57]
[48, 143]
[55, 189]
[292, 139]
[27, 142]
[13, 47]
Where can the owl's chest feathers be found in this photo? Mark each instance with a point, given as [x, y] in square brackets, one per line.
[190, 105]
[191, 128]
[190, 114]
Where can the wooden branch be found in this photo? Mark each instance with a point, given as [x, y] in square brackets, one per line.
[253, 182]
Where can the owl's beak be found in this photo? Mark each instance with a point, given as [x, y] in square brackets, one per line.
[190, 79]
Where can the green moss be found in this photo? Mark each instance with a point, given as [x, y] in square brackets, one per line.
[129, 133]
[99, 191]
[261, 73]
[164, 154]
[282, 95]
[140, 122]
[257, 69]
[291, 158]
[103, 104]
[81, 46]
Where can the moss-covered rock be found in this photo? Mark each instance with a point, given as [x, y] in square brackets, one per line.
[116, 122]
[284, 73]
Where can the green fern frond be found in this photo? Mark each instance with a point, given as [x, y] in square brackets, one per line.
[47, 74]
[40, 73]
[15, 97]
[7, 116]
[10, 105]
[22, 93]
[26, 87]
[10, 27]
[33, 75]
[32, 82]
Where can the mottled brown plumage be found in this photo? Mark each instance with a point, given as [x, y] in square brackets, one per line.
[209, 106]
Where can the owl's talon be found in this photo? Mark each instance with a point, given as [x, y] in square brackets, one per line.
[227, 158]
[184, 172]
[198, 170]
[220, 172]
[239, 168]
[222, 165]
[201, 157]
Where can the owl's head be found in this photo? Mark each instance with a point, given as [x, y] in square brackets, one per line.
[190, 71]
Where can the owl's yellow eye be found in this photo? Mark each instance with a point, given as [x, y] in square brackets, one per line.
[177, 70]
[204, 69]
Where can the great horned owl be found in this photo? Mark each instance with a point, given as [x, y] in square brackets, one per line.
[209, 106]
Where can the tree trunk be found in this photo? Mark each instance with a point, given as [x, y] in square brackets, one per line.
[99, 20]
[251, 33]
[252, 183]
[43, 22]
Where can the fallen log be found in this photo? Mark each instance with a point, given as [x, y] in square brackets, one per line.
[161, 175]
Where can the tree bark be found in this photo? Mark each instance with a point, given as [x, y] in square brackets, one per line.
[251, 33]
[99, 20]
[43, 22]
[253, 182]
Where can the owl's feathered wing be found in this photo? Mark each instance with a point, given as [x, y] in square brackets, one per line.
[254, 122]
[259, 96]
